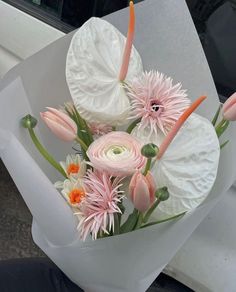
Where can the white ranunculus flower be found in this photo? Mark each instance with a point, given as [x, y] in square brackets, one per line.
[92, 70]
[188, 167]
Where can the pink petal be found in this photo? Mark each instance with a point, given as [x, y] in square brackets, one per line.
[141, 196]
[60, 131]
[64, 117]
[152, 186]
[229, 108]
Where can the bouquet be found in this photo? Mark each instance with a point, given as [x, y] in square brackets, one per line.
[140, 158]
[132, 128]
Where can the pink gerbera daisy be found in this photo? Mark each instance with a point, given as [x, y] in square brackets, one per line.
[157, 101]
[99, 205]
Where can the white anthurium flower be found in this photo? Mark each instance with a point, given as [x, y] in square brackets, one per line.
[92, 72]
[188, 168]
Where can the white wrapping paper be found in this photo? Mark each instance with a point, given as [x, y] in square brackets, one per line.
[167, 41]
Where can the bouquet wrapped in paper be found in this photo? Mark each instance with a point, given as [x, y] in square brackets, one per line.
[136, 169]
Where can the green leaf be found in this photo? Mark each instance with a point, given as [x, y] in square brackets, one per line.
[130, 223]
[216, 115]
[43, 151]
[221, 127]
[139, 221]
[122, 209]
[164, 220]
[116, 224]
[223, 145]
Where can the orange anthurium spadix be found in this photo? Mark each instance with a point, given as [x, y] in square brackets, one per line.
[170, 136]
[129, 43]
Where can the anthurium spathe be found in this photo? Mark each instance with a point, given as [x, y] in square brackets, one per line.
[189, 165]
[93, 66]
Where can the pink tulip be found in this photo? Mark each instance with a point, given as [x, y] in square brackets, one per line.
[142, 191]
[60, 124]
[229, 108]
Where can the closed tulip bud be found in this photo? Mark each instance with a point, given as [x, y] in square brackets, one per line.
[149, 150]
[142, 191]
[162, 194]
[229, 108]
[28, 122]
[60, 124]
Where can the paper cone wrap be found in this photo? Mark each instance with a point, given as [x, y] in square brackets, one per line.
[167, 41]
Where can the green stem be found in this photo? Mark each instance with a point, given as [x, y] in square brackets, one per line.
[148, 166]
[164, 220]
[150, 211]
[132, 125]
[116, 224]
[139, 222]
[216, 115]
[82, 144]
[45, 154]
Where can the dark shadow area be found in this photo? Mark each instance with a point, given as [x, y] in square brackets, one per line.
[215, 22]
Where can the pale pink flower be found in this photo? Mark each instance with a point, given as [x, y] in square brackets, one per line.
[229, 108]
[100, 204]
[99, 129]
[118, 153]
[157, 101]
[142, 191]
[60, 124]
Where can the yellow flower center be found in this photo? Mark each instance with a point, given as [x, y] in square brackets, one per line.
[76, 196]
[73, 168]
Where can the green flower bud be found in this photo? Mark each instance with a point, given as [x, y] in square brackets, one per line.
[149, 150]
[28, 122]
[162, 194]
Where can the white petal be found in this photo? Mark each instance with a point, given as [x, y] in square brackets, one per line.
[189, 166]
[143, 135]
[59, 184]
[92, 68]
